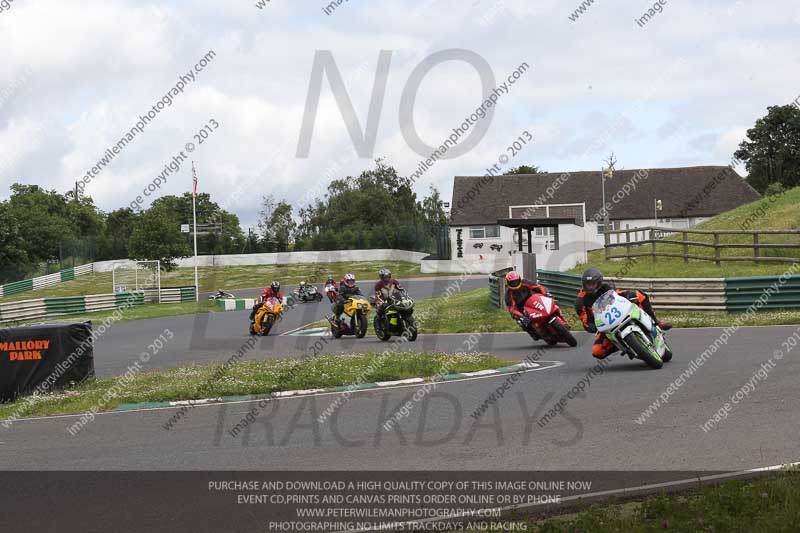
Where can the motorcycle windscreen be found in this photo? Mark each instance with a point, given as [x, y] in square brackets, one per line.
[609, 309]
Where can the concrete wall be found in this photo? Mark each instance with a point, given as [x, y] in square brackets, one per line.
[463, 266]
[286, 258]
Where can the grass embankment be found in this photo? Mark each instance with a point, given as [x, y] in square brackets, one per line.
[233, 277]
[252, 377]
[470, 311]
[775, 212]
[766, 505]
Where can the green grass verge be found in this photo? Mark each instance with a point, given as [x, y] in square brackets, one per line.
[233, 277]
[670, 267]
[776, 212]
[252, 377]
[765, 505]
[470, 311]
[132, 313]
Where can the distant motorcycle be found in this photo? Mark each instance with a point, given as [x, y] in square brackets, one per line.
[221, 295]
[397, 320]
[332, 291]
[306, 293]
[546, 321]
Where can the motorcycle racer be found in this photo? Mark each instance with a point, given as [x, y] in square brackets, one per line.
[592, 287]
[517, 293]
[347, 288]
[384, 288]
[272, 291]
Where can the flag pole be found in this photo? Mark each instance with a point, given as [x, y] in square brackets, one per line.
[194, 225]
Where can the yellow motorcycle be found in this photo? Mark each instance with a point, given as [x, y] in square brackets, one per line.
[266, 316]
[354, 319]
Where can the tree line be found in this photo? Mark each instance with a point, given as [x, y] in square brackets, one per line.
[376, 209]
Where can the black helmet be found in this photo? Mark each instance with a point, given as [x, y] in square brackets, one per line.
[275, 286]
[385, 275]
[591, 280]
[329, 280]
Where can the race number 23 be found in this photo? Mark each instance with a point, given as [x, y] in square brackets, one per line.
[612, 315]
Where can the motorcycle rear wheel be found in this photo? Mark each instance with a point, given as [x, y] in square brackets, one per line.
[564, 333]
[643, 352]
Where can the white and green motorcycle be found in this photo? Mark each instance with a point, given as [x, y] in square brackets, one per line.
[631, 329]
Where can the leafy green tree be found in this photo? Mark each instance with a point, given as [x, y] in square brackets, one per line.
[276, 224]
[524, 169]
[376, 209]
[14, 261]
[432, 208]
[228, 237]
[44, 221]
[155, 236]
[771, 151]
[118, 229]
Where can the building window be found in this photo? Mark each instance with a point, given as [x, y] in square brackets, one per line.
[545, 232]
[613, 225]
[484, 232]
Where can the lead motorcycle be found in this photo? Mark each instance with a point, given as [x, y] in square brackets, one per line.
[631, 330]
[546, 321]
[266, 317]
[397, 320]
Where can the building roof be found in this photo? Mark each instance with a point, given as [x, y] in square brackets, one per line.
[684, 192]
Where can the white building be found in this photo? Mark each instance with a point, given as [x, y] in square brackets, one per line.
[482, 204]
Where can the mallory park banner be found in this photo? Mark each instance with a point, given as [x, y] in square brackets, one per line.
[44, 357]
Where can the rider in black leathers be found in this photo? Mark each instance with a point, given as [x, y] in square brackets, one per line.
[347, 288]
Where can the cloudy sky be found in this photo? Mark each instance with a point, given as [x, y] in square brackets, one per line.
[76, 76]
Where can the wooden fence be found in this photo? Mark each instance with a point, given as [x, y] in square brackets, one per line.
[653, 236]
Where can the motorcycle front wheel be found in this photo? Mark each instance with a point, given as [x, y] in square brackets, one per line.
[379, 331]
[266, 326]
[361, 325]
[564, 333]
[643, 352]
[411, 329]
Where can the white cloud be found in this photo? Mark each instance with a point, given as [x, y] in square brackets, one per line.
[95, 68]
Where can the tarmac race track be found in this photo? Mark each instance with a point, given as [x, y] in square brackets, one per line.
[598, 429]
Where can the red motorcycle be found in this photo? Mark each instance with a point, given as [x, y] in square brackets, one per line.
[546, 321]
[332, 291]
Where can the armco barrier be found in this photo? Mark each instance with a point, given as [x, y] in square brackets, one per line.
[778, 292]
[497, 287]
[691, 294]
[564, 286]
[666, 293]
[67, 274]
[43, 308]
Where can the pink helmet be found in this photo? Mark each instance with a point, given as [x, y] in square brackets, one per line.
[513, 280]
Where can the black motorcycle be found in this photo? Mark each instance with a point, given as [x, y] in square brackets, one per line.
[397, 319]
[306, 293]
